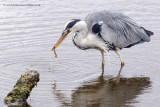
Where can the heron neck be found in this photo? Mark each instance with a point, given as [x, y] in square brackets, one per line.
[89, 41]
[79, 39]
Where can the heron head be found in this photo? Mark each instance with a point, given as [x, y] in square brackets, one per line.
[68, 28]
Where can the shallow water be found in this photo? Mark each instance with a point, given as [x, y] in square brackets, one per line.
[74, 78]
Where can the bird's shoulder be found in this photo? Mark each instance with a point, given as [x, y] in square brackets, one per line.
[115, 28]
[113, 19]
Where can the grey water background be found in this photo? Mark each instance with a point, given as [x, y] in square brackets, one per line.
[27, 34]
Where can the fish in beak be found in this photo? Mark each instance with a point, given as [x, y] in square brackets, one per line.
[64, 35]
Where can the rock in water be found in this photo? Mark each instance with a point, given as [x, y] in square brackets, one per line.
[22, 89]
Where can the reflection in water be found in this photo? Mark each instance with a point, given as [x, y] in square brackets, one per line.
[105, 91]
[24, 105]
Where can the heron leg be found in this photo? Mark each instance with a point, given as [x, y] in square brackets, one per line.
[102, 52]
[122, 65]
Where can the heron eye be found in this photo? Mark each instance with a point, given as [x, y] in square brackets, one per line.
[68, 31]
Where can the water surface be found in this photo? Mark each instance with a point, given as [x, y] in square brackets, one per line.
[27, 34]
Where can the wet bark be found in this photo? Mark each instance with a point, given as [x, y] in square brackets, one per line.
[22, 89]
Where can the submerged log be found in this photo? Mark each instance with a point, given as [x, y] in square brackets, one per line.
[22, 89]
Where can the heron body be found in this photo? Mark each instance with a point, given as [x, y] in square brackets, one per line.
[105, 31]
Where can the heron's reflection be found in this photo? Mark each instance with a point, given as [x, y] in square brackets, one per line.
[105, 92]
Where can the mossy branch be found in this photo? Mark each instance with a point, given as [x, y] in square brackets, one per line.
[22, 89]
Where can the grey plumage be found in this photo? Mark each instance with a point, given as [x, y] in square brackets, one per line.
[104, 30]
[117, 29]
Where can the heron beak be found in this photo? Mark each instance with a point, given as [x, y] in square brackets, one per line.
[64, 35]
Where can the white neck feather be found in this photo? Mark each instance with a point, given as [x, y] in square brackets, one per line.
[83, 39]
[80, 32]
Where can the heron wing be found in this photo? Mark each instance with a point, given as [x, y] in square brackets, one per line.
[117, 28]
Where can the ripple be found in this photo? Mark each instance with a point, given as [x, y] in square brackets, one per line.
[28, 34]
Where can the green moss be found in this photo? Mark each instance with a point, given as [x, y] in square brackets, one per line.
[22, 89]
[8, 98]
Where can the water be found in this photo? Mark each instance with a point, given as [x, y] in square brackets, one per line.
[27, 34]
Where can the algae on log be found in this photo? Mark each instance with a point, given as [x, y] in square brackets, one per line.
[22, 89]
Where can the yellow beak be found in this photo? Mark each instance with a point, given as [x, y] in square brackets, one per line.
[64, 35]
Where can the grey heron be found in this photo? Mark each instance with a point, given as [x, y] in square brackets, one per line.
[105, 31]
